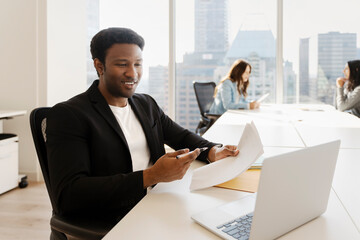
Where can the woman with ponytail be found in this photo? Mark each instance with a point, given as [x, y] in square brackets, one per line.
[348, 89]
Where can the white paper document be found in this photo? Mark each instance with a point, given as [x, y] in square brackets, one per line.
[250, 147]
[262, 98]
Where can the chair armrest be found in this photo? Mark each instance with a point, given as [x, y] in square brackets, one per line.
[212, 116]
[81, 228]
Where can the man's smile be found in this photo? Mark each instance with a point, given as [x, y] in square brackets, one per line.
[129, 82]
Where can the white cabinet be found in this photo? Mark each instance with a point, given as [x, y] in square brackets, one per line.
[9, 154]
[9, 162]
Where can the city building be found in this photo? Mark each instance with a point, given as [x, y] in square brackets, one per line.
[211, 28]
[258, 48]
[158, 85]
[304, 75]
[289, 83]
[335, 49]
[211, 44]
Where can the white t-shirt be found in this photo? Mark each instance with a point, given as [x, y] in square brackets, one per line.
[135, 136]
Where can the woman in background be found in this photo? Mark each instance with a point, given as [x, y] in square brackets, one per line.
[231, 91]
[348, 89]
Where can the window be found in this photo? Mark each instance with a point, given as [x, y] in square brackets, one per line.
[211, 35]
[319, 38]
[150, 19]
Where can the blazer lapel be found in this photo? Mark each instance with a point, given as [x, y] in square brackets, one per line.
[146, 125]
[104, 110]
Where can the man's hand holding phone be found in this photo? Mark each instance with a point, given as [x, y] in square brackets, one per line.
[171, 166]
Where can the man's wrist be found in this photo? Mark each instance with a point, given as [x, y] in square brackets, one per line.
[212, 153]
[148, 178]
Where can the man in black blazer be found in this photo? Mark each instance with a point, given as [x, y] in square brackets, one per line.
[91, 147]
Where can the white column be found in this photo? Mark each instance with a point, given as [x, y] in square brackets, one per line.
[279, 54]
[172, 60]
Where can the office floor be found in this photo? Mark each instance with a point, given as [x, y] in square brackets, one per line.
[25, 213]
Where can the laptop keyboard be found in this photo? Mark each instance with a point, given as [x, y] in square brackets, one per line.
[238, 228]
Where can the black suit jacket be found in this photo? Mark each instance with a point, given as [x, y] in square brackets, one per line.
[89, 159]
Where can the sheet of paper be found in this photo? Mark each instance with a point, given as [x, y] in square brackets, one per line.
[250, 147]
[262, 98]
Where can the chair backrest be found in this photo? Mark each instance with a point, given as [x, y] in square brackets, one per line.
[38, 127]
[204, 92]
[73, 228]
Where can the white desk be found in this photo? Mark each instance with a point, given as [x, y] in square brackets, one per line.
[314, 135]
[274, 136]
[165, 212]
[347, 182]
[7, 114]
[11, 113]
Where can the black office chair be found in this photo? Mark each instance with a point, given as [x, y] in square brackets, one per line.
[61, 227]
[204, 92]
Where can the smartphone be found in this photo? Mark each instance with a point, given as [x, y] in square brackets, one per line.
[184, 154]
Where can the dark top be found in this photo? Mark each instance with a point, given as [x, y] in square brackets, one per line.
[89, 160]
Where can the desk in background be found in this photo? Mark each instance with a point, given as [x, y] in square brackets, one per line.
[165, 212]
[8, 114]
[9, 154]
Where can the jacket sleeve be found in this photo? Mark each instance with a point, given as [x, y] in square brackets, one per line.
[228, 97]
[349, 100]
[75, 188]
[178, 137]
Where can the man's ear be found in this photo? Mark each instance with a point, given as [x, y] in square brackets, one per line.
[99, 66]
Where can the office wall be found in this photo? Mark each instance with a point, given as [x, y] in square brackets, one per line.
[43, 61]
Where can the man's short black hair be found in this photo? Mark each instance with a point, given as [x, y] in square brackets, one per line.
[104, 39]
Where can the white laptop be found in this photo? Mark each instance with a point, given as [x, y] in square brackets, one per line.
[294, 188]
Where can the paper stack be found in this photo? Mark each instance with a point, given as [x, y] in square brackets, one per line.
[250, 147]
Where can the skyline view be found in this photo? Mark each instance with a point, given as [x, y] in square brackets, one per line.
[240, 19]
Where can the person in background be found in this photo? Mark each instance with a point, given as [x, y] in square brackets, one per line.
[348, 89]
[231, 92]
[106, 146]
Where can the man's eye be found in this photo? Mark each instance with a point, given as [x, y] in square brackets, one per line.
[138, 64]
[121, 64]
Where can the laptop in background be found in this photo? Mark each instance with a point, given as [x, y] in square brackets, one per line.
[294, 188]
[263, 97]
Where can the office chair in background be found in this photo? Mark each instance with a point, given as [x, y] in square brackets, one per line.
[204, 92]
[72, 228]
